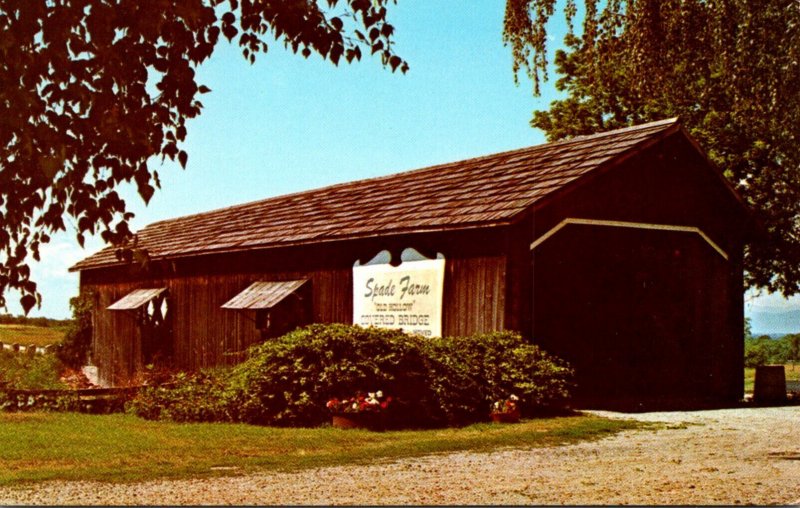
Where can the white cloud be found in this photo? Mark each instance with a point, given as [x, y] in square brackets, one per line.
[770, 302]
[54, 280]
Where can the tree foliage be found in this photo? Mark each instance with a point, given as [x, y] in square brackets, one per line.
[765, 350]
[74, 349]
[91, 90]
[729, 69]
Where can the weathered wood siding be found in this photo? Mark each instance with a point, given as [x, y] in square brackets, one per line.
[639, 314]
[205, 335]
[474, 297]
[676, 332]
[599, 295]
[116, 344]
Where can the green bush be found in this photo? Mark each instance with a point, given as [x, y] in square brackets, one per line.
[503, 363]
[24, 372]
[765, 350]
[756, 352]
[443, 381]
[186, 398]
[15, 401]
[433, 382]
[288, 380]
[74, 349]
[19, 371]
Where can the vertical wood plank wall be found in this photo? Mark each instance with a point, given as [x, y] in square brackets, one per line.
[205, 335]
[474, 296]
[120, 358]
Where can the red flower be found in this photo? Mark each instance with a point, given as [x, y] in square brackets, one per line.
[362, 402]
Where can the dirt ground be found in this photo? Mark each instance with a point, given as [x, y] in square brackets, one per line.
[730, 456]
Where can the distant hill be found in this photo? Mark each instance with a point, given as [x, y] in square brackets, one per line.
[773, 336]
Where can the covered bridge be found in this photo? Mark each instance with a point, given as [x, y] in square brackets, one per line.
[620, 252]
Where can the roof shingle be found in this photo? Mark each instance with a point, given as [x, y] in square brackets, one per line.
[489, 190]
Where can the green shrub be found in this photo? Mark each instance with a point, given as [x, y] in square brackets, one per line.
[25, 372]
[433, 382]
[74, 349]
[765, 350]
[503, 363]
[756, 352]
[19, 371]
[288, 380]
[12, 401]
[186, 398]
[445, 381]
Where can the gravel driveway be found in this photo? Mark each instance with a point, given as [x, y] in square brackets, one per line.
[730, 456]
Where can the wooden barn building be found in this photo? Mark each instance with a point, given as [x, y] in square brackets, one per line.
[620, 252]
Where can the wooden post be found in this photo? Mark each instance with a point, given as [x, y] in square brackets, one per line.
[770, 384]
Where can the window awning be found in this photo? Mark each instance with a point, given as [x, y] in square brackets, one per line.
[264, 295]
[136, 299]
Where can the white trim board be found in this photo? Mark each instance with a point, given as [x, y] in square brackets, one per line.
[631, 225]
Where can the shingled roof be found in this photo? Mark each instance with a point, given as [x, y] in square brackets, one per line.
[485, 191]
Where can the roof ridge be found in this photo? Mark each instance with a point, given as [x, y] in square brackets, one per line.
[515, 179]
[471, 160]
[643, 126]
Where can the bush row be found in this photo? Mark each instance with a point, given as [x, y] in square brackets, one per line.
[434, 382]
[765, 350]
[36, 400]
[31, 372]
[8, 319]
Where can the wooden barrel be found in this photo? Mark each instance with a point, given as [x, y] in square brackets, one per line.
[770, 384]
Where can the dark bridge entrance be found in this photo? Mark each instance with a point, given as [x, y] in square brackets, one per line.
[631, 309]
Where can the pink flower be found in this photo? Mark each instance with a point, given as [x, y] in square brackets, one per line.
[369, 402]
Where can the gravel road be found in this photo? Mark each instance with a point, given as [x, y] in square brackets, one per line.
[730, 456]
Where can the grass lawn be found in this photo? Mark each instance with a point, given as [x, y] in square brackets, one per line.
[119, 447]
[792, 373]
[26, 334]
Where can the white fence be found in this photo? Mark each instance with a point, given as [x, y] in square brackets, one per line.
[31, 349]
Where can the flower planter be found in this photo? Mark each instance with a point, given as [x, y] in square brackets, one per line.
[370, 421]
[507, 417]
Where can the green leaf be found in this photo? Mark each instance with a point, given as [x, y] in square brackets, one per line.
[146, 192]
[27, 302]
[94, 124]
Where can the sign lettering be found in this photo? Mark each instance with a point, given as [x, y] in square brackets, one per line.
[408, 296]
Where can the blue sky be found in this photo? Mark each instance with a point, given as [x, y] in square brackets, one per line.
[288, 124]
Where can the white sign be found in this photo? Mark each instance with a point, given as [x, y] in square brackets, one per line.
[408, 296]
